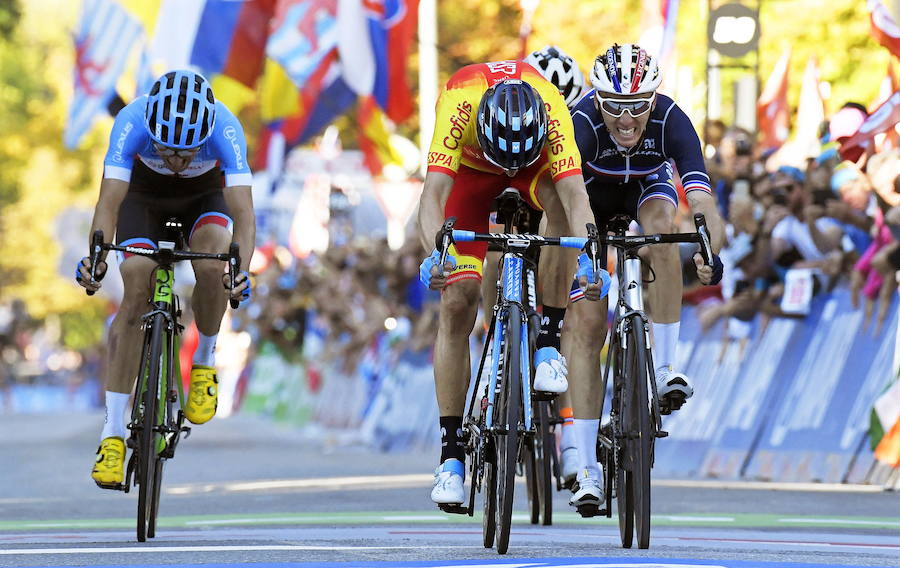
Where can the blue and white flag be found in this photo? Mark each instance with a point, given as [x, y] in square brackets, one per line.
[105, 36]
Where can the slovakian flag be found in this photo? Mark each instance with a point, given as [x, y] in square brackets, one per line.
[106, 34]
[772, 111]
[884, 118]
[231, 38]
[884, 27]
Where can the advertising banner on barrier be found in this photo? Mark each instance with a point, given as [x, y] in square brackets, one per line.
[819, 422]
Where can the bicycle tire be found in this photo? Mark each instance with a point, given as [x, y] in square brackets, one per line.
[489, 515]
[147, 455]
[532, 482]
[161, 419]
[508, 411]
[621, 452]
[545, 449]
[641, 446]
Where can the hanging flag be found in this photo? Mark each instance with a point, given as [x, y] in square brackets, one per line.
[884, 427]
[884, 118]
[658, 19]
[772, 112]
[176, 28]
[304, 32]
[374, 137]
[884, 26]
[231, 38]
[810, 113]
[355, 45]
[105, 36]
[392, 28]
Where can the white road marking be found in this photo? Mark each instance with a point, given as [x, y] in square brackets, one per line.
[689, 519]
[425, 480]
[227, 548]
[841, 522]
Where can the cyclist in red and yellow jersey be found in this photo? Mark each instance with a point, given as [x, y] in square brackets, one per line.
[498, 125]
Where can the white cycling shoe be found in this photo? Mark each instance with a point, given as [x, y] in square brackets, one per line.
[590, 491]
[448, 483]
[569, 463]
[673, 389]
[550, 371]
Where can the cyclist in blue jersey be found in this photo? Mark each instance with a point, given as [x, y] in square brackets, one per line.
[628, 135]
[175, 152]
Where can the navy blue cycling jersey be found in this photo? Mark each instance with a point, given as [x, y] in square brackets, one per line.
[669, 136]
[225, 148]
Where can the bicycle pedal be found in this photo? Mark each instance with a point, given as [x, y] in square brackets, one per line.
[544, 396]
[588, 511]
[112, 486]
[454, 508]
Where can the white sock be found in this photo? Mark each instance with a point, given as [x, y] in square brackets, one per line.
[665, 338]
[206, 350]
[567, 438]
[114, 424]
[586, 442]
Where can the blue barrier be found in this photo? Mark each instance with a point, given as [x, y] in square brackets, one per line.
[793, 405]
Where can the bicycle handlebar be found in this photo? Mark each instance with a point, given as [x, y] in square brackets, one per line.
[447, 235]
[163, 256]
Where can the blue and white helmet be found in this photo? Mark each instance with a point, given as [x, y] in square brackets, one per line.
[181, 110]
[511, 124]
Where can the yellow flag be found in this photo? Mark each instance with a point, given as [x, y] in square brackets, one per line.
[278, 94]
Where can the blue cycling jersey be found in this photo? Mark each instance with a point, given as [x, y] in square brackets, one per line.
[225, 148]
[669, 136]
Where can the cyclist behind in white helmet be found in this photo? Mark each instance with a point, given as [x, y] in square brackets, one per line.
[561, 70]
[627, 134]
[564, 72]
[168, 153]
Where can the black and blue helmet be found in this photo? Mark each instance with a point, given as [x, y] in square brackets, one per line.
[511, 124]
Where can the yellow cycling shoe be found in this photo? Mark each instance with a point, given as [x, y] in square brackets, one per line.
[203, 396]
[109, 467]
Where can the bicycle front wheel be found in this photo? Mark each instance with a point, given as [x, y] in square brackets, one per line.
[641, 434]
[147, 477]
[506, 436]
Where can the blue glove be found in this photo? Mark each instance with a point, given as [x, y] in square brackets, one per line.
[586, 269]
[430, 262]
[242, 276]
[86, 262]
[718, 270]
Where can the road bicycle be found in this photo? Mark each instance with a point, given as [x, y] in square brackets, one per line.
[157, 421]
[625, 444]
[500, 421]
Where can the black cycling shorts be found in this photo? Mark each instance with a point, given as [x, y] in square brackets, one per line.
[609, 197]
[153, 198]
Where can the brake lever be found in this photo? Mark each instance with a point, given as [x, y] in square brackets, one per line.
[96, 250]
[444, 239]
[703, 231]
[234, 263]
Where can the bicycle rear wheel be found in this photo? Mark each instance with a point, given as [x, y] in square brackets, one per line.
[507, 413]
[641, 444]
[147, 451]
[489, 515]
[532, 481]
[545, 449]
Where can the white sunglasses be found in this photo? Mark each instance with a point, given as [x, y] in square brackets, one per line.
[617, 107]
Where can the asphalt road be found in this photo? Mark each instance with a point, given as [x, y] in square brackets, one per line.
[243, 491]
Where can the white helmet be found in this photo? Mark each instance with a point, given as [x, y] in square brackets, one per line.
[559, 69]
[625, 69]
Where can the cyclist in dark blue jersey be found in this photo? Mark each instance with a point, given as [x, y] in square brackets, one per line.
[176, 152]
[628, 135]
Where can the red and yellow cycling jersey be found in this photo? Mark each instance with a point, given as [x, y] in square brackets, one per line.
[455, 141]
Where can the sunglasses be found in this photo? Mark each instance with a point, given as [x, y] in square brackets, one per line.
[618, 107]
[166, 152]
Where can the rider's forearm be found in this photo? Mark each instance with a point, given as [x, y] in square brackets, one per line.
[240, 204]
[106, 212]
[574, 198]
[431, 206]
[702, 202]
